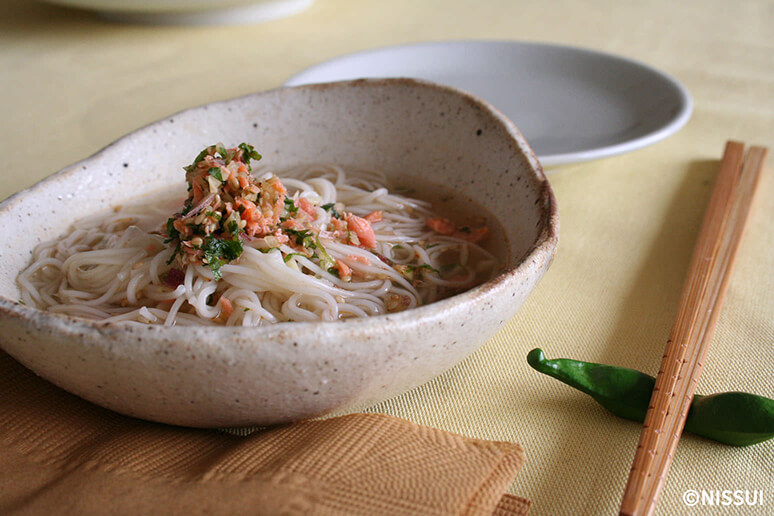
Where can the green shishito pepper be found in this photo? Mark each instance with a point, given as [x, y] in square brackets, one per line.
[734, 418]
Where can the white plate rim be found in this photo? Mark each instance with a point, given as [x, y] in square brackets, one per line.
[675, 123]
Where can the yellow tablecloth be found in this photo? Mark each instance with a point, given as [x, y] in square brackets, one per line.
[71, 83]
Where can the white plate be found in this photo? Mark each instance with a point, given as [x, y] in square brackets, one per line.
[571, 104]
[190, 12]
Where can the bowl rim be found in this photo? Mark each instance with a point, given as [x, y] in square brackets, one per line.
[542, 250]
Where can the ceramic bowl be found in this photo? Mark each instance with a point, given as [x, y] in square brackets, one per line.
[217, 376]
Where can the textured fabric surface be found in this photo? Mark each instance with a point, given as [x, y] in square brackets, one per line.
[72, 84]
[62, 455]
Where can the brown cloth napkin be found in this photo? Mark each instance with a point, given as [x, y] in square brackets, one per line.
[62, 455]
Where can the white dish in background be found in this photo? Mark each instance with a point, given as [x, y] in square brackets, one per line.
[571, 104]
[190, 12]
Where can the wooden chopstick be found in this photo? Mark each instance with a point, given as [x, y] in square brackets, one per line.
[700, 305]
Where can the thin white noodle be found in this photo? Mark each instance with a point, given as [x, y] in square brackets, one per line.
[114, 266]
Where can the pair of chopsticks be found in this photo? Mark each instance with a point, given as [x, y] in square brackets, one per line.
[700, 304]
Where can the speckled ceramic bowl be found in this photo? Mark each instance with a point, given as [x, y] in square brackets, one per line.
[216, 376]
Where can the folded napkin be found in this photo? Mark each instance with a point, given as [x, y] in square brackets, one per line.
[62, 455]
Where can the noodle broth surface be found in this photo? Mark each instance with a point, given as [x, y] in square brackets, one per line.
[121, 266]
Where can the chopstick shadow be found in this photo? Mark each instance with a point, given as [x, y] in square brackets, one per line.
[637, 340]
[649, 310]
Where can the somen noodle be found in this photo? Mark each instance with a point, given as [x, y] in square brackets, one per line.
[251, 248]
